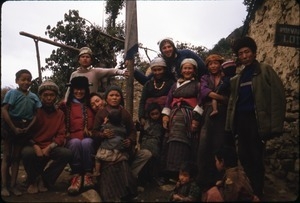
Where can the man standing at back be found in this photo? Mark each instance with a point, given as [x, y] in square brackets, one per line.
[256, 110]
[94, 74]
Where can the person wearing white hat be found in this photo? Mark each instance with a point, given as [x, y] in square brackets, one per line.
[181, 117]
[173, 58]
[94, 74]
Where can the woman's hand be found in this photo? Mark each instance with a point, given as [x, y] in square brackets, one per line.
[195, 125]
[126, 143]
[165, 120]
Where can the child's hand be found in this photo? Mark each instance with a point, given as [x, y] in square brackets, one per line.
[177, 197]
[126, 143]
[165, 120]
[38, 151]
[218, 183]
[108, 133]
[195, 125]
[46, 150]
[18, 131]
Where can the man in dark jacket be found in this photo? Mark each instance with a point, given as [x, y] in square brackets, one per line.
[256, 110]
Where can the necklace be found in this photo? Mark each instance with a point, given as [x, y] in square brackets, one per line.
[158, 88]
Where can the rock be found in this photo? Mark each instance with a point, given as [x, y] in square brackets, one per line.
[92, 196]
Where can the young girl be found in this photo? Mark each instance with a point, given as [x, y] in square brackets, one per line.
[79, 123]
[186, 188]
[18, 112]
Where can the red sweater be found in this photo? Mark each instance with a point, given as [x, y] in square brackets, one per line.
[48, 128]
[76, 120]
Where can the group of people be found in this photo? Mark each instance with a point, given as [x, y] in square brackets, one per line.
[198, 120]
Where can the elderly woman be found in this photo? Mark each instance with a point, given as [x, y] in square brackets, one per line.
[182, 114]
[116, 182]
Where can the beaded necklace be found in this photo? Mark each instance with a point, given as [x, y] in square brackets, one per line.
[158, 88]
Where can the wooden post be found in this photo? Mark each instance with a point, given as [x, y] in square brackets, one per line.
[38, 59]
[129, 87]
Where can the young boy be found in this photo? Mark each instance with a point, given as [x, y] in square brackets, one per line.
[235, 185]
[186, 189]
[150, 143]
[19, 113]
[46, 144]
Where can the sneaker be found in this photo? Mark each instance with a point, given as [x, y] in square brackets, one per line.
[75, 185]
[87, 182]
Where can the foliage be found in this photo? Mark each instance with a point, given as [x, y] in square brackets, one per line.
[78, 32]
[248, 4]
[74, 31]
[113, 8]
[3, 92]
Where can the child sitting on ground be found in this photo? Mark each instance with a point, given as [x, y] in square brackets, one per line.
[235, 185]
[186, 189]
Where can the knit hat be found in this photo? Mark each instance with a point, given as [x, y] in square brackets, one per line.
[158, 61]
[48, 85]
[229, 68]
[244, 42]
[214, 57]
[189, 60]
[85, 50]
[80, 82]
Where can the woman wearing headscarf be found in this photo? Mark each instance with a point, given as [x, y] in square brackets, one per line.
[182, 114]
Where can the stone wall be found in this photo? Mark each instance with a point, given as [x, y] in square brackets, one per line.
[282, 155]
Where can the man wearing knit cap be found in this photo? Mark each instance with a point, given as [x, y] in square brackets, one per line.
[48, 138]
[256, 110]
[173, 58]
[94, 74]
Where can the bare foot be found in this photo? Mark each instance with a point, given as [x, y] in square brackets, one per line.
[96, 174]
[213, 113]
[15, 191]
[32, 189]
[4, 192]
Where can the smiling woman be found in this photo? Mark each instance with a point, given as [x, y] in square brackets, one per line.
[195, 16]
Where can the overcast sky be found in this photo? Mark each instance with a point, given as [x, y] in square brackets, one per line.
[201, 23]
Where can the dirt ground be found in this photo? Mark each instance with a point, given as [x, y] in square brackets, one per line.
[275, 191]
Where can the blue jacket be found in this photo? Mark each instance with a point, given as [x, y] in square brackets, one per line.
[173, 66]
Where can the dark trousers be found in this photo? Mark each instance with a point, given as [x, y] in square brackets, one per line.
[35, 166]
[251, 150]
